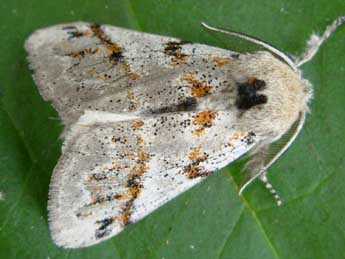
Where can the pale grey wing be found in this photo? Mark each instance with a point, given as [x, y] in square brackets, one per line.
[81, 66]
[113, 173]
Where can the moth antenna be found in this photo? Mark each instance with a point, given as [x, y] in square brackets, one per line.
[315, 42]
[269, 187]
[276, 52]
[261, 172]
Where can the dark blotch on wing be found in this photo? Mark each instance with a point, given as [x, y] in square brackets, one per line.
[116, 56]
[102, 231]
[174, 49]
[188, 104]
[116, 52]
[249, 139]
[73, 32]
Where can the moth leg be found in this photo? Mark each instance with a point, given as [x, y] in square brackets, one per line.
[263, 158]
[255, 166]
[257, 169]
[315, 42]
[268, 185]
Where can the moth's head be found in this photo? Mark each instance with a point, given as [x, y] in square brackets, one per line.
[270, 94]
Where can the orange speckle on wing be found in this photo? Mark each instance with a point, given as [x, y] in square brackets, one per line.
[174, 49]
[252, 80]
[122, 196]
[137, 124]
[198, 132]
[205, 118]
[139, 169]
[130, 95]
[113, 47]
[198, 88]
[133, 102]
[124, 216]
[134, 191]
[143, 156]
[221, 61]
[131, 74]
[237, 136]
[96, 189]
[197, 155]
[134, 76]
[117, 166]
[134, 182]
[140, 140]
[195, 170]
[82, 53]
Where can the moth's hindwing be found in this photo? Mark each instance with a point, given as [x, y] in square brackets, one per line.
[113, 173]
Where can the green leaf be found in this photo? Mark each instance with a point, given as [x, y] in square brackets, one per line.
[211, 220]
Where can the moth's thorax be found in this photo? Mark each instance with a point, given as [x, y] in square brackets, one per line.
[277, 94]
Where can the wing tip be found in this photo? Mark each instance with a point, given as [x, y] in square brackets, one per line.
[68, 230]
[34, 39]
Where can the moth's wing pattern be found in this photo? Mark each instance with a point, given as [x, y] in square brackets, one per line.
[160, 116]
[81, 66]
[113, 172]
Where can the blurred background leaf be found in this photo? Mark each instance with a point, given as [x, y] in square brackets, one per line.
[211, 220]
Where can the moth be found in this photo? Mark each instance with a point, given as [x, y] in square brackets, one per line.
[147, 117]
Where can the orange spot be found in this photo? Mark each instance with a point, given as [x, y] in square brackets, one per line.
[134, 76]
[131, 75]
[134, 191]
[133, 182]
[114, 48]
[196, 154]
[180, 58]
[139, 140]
[122, 196]
[97, 31]
[133, 107]
[198, 88]
[198, 132]
[139, 169]
[82, 53]
[174, 49]
[96, 189]
[221, 61]
[125, 214]
[205, 118]
[143, 156]
[237, 136]
[137, 124]
[251, 80]
[133, 103]
[117, 165]
[194, 171]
